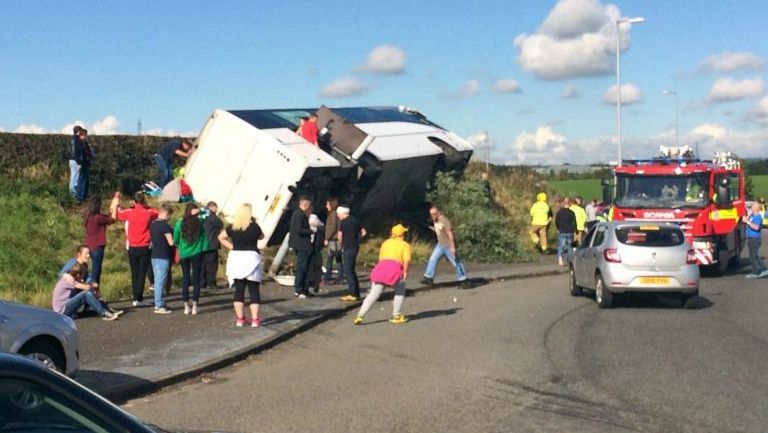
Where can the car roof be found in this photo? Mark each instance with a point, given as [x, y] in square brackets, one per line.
[617, 224]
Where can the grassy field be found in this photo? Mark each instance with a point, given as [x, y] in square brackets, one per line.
[589, 188]
[586, 188]
[759, 186]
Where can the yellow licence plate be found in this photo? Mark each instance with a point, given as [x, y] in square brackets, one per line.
[655, 281]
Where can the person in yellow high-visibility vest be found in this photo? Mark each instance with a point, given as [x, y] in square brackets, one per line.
[541, 216]
[581, 218]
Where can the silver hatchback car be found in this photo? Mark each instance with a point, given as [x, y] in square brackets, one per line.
[44, 335]
[622, 256]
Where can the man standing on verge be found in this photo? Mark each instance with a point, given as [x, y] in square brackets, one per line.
[446, 246]
[84, 159]
[164, 158]
[299, 240]
[591, 210]
[332, 242]
[581, 219]
[565, 221]
[213, 227]
[541, 216]
[75, 151]
[350, 233]
[754, 223]
[138, 218]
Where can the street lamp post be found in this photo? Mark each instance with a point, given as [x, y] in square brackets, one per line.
[635, 20]
[677, 117]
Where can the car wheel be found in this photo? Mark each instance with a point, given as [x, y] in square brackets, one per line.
[45, 353]
[572, 285]
[603, 296]
[690, 301]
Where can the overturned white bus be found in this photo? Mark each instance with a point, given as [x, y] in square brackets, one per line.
[377, 160]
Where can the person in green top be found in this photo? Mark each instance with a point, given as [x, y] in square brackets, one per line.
[190, 237]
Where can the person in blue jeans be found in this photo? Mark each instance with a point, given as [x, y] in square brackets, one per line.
[161, 234]
[565, 221]
[446, 247]
[754, 222]
[82, 256]
[164, 158]
[75, 147]
[66, 301]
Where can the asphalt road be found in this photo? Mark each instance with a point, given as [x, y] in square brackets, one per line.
[519, 356]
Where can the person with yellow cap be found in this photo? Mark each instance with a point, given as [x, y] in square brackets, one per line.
[541, 216]
[390, 271]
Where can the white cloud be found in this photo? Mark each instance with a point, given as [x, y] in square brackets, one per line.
[577, 38]
[630, 94]
[385, 59]
[343, 87]
[543, 146]
[570, 92]
[507, 85]
[471, 88]
[729, 61]
[160, 132]
[729, 89]
[30, 129]
[481, 140]
[68, 128]
[105, 126]
[713, 137]
[759, 113]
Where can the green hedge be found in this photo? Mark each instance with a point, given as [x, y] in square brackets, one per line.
[122, 162]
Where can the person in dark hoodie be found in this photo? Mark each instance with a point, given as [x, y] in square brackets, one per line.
[565, 221]
[299, 240]
[212, 225]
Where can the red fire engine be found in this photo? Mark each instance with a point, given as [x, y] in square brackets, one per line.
[706, 198]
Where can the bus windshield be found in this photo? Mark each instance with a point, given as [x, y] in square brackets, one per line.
[691, 191]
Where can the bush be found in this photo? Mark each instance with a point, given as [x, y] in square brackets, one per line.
[483, 231]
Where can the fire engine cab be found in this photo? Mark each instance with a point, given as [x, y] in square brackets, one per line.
[706, 198]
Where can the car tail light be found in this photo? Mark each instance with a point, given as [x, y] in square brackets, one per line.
[612, 255]
[690, 257]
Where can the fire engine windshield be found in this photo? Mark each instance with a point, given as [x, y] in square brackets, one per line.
[663, 191]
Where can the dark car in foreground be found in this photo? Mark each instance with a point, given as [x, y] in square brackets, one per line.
[36, 399]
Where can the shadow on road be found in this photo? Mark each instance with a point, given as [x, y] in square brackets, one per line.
[654, 300]
[433, 313]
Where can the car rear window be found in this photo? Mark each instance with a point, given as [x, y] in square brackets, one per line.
[650, 236]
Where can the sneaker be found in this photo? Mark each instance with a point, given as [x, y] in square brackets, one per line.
[399, 319]
[358, 320]
[116, 312]
[427, 281]
[751, 276]
[239, 322]
[151, 288]
[187, 310]
[194, 308]
[349, 298]
[138, 304]
[762, 274]
[255, 323]
[109, 317]
[296, 294]
[162, 310]
[301, 296]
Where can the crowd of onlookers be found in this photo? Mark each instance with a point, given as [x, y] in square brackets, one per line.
[572, 220]
[194, 241]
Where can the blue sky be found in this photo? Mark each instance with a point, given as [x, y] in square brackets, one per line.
[495, 66]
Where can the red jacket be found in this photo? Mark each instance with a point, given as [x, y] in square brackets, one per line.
[139, 217]
[309, 132]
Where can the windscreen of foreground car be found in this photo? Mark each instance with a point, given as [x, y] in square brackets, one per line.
[650, 236]
[663, 191]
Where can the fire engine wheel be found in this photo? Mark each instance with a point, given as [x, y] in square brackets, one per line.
[603, 296]
[575, 289]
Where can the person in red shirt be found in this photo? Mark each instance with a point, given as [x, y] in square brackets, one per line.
[309, 129]
[96, 236]
[138, 218]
